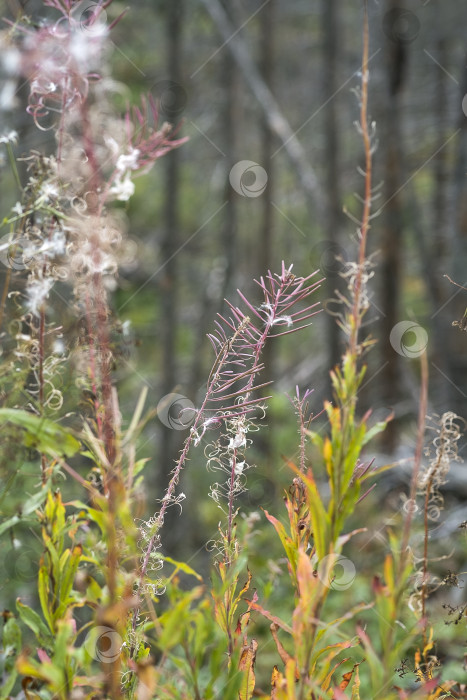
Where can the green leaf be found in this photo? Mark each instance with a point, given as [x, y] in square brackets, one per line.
[43, 589]
[45, 435]
[7, 687]
[35, 623]
[174, 621]
[8, 486]
[11, 642]
[375, 430]
[287, 542]
[180, 565]
[62, 640]
[30, 506]
[67, 577]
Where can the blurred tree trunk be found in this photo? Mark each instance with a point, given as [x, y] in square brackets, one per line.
[332, 179]
[231, 82]
[171, 241]
[266, 260]
[392, 236]
[267, 71]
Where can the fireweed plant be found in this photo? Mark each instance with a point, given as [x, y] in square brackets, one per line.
[112, 620]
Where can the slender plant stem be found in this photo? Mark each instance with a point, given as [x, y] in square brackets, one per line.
[365, 223]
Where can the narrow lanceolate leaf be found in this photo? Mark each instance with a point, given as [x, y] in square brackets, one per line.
[45, 435]
[30, 506]
[69, 567]
[246, 664]
[287, 542]
[356, 686]
[43, 590]
[327, 681]
[35, 623]
[269, 616]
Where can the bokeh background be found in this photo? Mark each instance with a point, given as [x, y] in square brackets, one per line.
[268, 94]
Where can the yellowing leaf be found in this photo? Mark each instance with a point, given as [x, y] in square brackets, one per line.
[389, 572]
[356, 686]
[246, 664]
[269, 616]
[327, 450]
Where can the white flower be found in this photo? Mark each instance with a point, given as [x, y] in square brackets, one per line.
[123, 189]
[238, 469]
[38, 291]
[55, 246]
[8, 95]
[11, 137]
[128, 162]
[48, 191]
[17, 209]
[111, 144]
[58, 347]
[238, 441]
[281, 320]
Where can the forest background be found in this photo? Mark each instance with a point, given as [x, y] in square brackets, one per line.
[264, 91]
